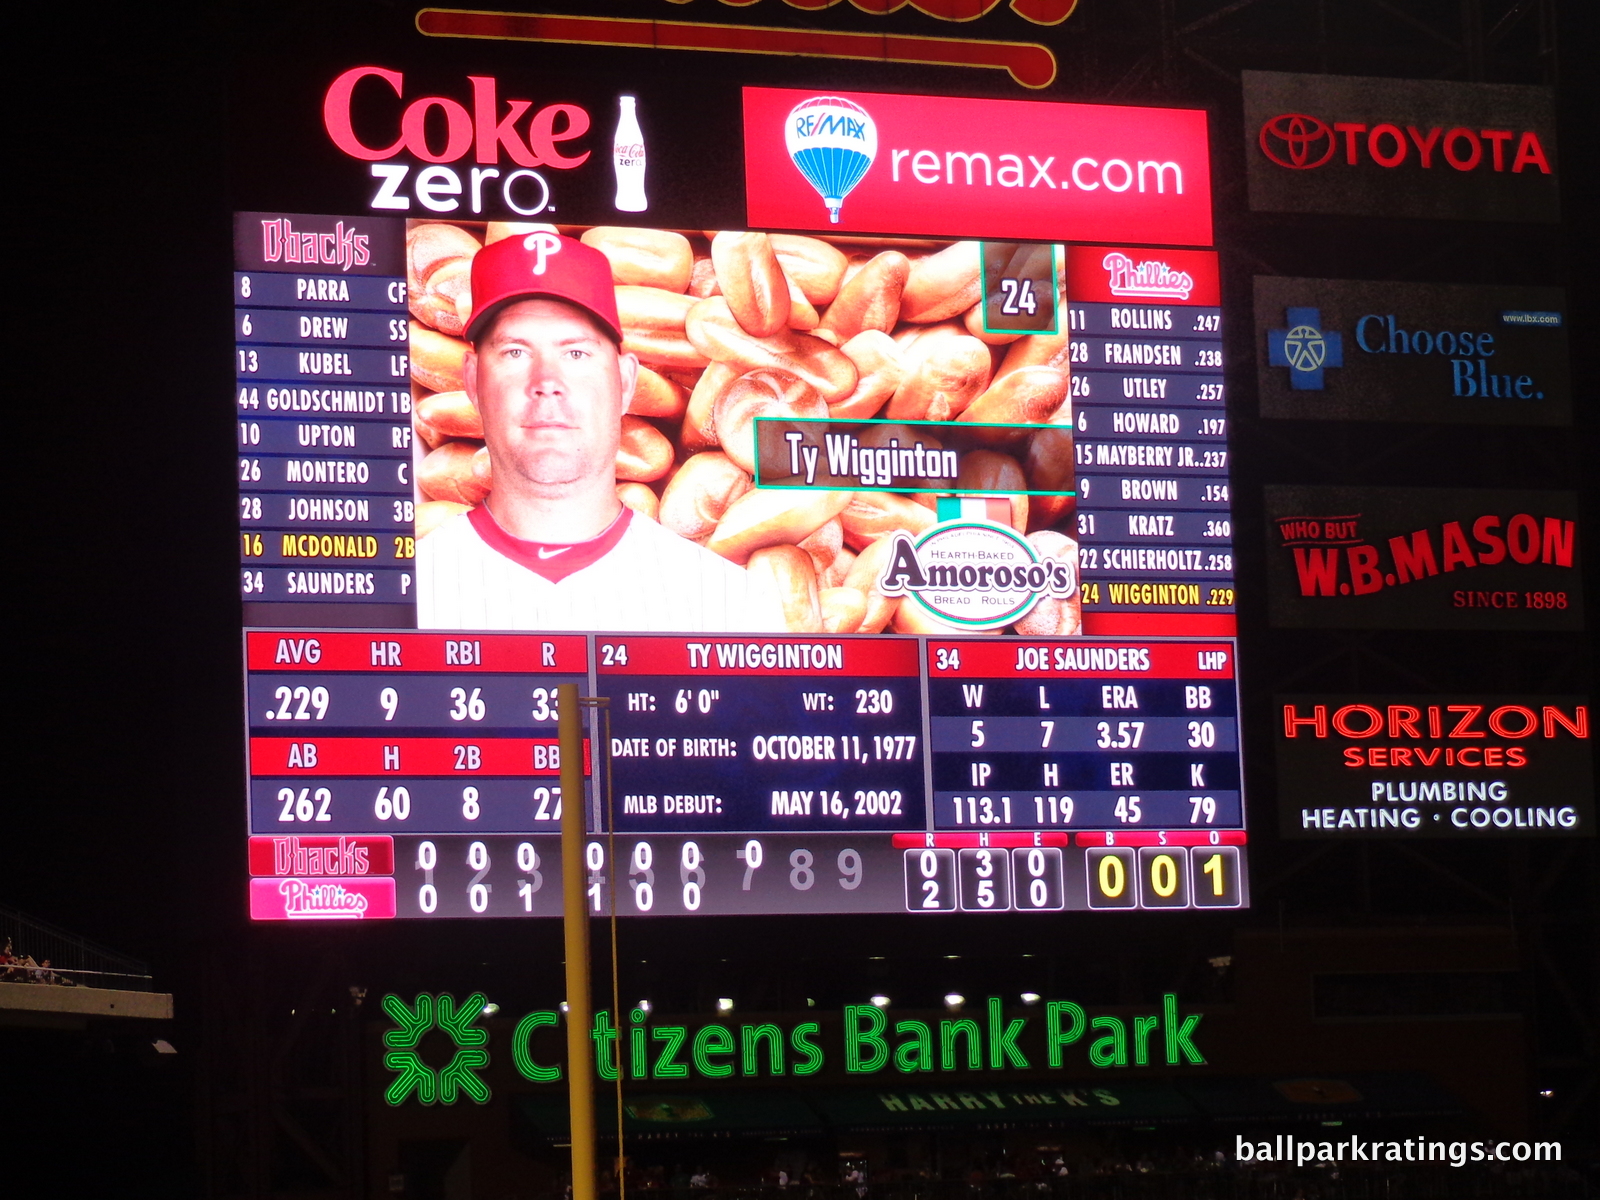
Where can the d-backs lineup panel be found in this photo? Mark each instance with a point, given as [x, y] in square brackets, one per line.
[973, 308]
[416, 774]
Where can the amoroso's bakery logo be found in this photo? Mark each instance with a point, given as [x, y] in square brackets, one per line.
[1300, 142]
[975, 575]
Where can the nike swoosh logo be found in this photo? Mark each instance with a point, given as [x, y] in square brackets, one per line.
[544, 553]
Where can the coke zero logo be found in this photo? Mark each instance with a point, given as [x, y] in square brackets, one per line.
[1297, 141]
[438, 130]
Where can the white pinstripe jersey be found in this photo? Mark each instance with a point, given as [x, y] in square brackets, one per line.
[634, 577]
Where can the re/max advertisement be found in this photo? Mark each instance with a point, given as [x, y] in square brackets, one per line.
[1423, 558]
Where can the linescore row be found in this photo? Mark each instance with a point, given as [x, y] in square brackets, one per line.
[458, 877]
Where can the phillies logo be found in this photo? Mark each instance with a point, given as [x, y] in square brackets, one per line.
[1297, 141]
[542, 245]
[1300, 142]
[1147, 280]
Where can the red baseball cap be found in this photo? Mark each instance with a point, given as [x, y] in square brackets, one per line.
[542, 264]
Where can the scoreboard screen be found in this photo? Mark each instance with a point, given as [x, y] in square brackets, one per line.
[746, 775]
[867, 453]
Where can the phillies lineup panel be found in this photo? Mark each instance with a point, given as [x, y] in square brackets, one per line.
[401, 774]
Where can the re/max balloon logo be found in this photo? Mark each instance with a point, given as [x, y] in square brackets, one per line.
[832, 142]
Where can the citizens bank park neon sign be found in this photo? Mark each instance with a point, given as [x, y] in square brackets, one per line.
[867, 1041]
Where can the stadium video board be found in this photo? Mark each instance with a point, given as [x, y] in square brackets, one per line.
[866, 450]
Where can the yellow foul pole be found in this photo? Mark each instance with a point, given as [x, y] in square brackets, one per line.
[575, 920]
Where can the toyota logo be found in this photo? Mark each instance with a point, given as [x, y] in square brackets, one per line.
[1292, 139]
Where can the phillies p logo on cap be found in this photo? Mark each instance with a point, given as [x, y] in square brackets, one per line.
[542, 264]
[543, 245]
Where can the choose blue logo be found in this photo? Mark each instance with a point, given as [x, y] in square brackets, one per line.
[1305, 349]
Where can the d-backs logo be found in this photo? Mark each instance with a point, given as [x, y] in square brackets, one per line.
[1301, 142]
[412, 1074]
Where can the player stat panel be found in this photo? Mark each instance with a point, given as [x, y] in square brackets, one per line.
[415, 775]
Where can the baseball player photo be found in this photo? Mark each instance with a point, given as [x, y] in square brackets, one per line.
[551, 546]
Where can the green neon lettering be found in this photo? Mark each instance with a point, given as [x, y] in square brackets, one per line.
[800, 1038]
[522, 1055]
[667, 1064]
[709, 1040]
[605, 1045]
[916, 1052]
[856, 1038]
[1112, 1049]
[638, 1057]
[1003, 1039]
[1143, 1027]
[948, 1032]
[1178, 1036]
[1054, 1037]
[750, 1037]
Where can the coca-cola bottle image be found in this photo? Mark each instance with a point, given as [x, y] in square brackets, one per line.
[627, 157]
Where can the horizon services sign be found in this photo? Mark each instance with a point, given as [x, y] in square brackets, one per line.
[1435, 766]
